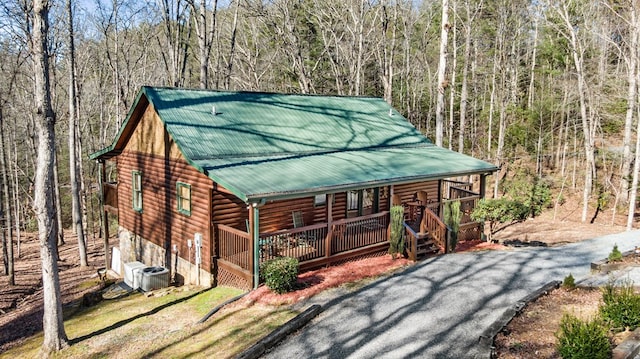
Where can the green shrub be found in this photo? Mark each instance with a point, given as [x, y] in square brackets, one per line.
[569, 282]
[280, 274]
[615, 255]
[530, 190]
[621, 306]
[396, 240]
[500, 210]
[578, 339]
[452, 217]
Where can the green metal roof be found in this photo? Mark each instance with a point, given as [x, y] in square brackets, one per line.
[267, 146]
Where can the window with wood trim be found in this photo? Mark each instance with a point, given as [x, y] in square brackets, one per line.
[362, 202]
[136, 189]
[183, 191]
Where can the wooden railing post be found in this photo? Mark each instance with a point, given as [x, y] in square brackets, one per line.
[329, 237]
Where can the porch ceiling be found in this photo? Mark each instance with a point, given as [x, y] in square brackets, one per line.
[295, 175]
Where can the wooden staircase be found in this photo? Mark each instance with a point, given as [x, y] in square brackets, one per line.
[426, 247]
[425, 244]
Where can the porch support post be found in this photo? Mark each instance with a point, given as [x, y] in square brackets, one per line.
[105, 215]
[327, 242]
[483, 184]
[440, 212]
[254, 260]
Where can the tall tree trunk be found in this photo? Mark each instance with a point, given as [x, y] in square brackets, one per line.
[532, 73]
[56, 200]
[360, 47]
[55, 337]
[205, 36]
[632, 80]
[16, 197]
[6, 196]
[588, 124]
[452, 77]
[442, 68]
[634, 182]
[232, 46]
[73, 155]
[464, 91]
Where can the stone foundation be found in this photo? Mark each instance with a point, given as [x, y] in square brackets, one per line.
[135, 248]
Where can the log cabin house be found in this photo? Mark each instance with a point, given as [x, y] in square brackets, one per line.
[210, 184]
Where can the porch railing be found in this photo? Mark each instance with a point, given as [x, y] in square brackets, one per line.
[353, 233]
[304, 243]
[110, 190]
[457, 193]
[315, 242]
[234, 246]
[449, 184]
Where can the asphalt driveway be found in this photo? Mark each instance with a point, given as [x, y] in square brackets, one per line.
[440, 307]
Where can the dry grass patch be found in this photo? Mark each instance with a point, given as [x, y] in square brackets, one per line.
[163, 325]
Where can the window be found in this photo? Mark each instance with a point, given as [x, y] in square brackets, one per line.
[362, 202]
[353, 200]
[320, 200]
[136, 189]
[184, 198]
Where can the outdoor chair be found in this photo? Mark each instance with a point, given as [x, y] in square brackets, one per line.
[298, 222]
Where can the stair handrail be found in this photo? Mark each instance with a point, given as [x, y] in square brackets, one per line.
[437, 228]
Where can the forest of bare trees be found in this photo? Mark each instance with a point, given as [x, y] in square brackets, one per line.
[544, 87]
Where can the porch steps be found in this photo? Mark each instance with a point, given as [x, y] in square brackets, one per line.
[426, 247]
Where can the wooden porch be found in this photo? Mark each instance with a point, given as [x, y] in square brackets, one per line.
[330, 242]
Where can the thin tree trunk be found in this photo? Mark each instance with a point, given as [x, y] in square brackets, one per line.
[492, 102]
[16, 197]
[56, 200]
[6, 196]
[55, 337]
[464, 91]
[452, 82]
[632, 80]
[73, 155]
[442, 68]
[532, 73]
[634, 182]
[232, 50]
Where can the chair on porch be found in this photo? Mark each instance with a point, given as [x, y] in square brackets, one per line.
[298, 219]
[298, 222]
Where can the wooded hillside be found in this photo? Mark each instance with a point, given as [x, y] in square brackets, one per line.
[545, 88]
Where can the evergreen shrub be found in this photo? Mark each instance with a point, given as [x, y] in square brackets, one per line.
[280, 274]
[578, 339]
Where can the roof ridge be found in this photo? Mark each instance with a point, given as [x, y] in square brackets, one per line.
[193, 89]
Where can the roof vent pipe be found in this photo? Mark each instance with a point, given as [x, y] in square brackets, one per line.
[213, 110]
[390, 112]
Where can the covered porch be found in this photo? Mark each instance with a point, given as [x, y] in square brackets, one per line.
[336, 236]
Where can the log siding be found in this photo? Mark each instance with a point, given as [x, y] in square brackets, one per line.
[160, 222]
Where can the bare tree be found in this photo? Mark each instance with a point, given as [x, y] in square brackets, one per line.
[6, 227]
[73, 132]
[589, 124]
[177, 32]
[55, 337]
[442, 69]
[205, 31]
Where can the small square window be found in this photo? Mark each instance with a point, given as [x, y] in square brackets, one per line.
[136, 189]
[184, 198]
[320, 200]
